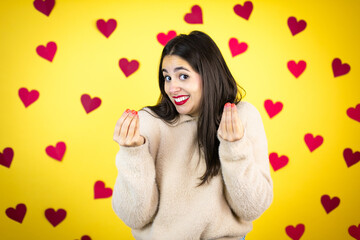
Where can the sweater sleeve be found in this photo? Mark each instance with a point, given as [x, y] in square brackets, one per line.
[135, 194]
[245, 167]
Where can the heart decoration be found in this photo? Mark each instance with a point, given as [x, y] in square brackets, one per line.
[195, 16]
[350, 157]
[278, 162]
[57, 152]
[17, 214]
[44, 6]
[313, 142]
[329, 204]
[354, 113]
[90, 104]
[163, 38]
[271, 108]
[106, 28]
[127, 67]
[55, 217]
[354, 231]
[85, 237]
[47, 52]
[296, 26]
[244, 11]
[28, 97]
[100, 191]
[339, 68]
[295, 233]
[237, 48]
[296, 68]
[6, 157]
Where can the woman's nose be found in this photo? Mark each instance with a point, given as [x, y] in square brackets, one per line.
[174, 87]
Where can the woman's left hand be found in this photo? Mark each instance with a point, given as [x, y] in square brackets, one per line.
[231, 128]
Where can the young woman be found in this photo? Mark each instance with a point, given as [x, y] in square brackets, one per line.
[195, 166]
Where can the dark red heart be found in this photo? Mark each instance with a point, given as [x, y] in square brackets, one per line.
[195, 17]
[237, 48]
[244, 11]
[55, 217]
[329, 204]
[271, 108]
[278, 162]
[6, 157]
[354, 113]
[127, 67]
[56, 152]
[163, 38]
[296, 26]
[106, 28]
[295, 233]
[354, 231]
[313, 142]
[90, 104]
[296, 68]
[44, 6]
[339, 68]
[17, 214]
[100, 191]
[85, 237]
[350, 157]
[28, 97]
[47, 52]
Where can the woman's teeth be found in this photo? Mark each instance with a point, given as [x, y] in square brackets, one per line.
[180, 99]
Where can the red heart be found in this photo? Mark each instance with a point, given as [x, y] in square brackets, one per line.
[100, 191]
[163, 38]
[237, 48]
[106, 28]
[354, 113]
[339, 68]
[90, 104]
[47, 52]
[354, 231]
[195, 16]
[244, 11]
[313, 143]
[55, 217]
[272, 108]
[296, 26]
[127, 67]
[295, 233]
[329, 204]
[17, 214]
[44, 6]
[6, 157]
[56, 152]
[85, 237]
[278, 162]
[296, 68]
[350, 157]
[28, 97]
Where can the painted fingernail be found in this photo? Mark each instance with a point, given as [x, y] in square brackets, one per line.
[127, 110]
[233, 105]
[227, 105]
[133, 112]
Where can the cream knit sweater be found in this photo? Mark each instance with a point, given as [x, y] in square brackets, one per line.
[156, 191]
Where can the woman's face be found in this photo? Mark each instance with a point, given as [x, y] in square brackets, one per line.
[182, 84]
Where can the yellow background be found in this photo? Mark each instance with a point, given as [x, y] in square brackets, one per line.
[87, 62]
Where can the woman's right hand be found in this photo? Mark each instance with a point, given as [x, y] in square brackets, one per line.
[127, 130]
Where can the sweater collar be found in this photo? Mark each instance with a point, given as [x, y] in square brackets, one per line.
[181, 118]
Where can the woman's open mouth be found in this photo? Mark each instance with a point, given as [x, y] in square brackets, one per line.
[180, 100]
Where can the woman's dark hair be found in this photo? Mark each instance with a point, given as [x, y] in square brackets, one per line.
[219, 87]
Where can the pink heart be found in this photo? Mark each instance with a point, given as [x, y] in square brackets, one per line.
[271, 108]
[127, 67]
[106, 28]
[195, 17]
[44, 6]
[163, 38]
[350, 157]
[56, 152]
[278, 162]
[295, 233]
[237, 48]
[244, 11]
[329, 204]
[339, 68]
[100, 191]
[28, 97]
[296, 68]
[313, 143]
[354, 113]
[354, 231]
[90, 104]
[296, 26]
[55, 217]
[6, 157]
[47, 52]
[17, 214]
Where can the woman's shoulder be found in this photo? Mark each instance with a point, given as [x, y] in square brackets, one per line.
[247, 108]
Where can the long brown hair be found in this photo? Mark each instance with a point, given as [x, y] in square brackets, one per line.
[219, 87]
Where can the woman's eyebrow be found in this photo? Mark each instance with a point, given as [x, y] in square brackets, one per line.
[176, 69]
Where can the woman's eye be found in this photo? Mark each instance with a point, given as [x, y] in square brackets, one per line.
[183, 76]
[167, 78]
